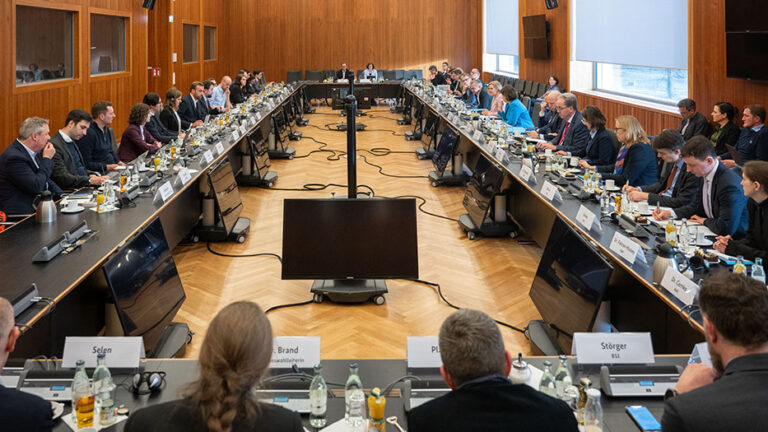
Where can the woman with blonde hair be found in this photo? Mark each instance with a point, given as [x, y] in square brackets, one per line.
[636, 163]
[233, 360]
[497, 103]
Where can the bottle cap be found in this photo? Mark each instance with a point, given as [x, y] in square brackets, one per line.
[594, 393]
[376, 392]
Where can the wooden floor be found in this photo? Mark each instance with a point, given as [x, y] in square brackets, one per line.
[493, 275]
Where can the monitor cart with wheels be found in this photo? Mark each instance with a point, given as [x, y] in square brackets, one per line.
[221, 208]
[279, 137]
[496, 226]
[256, 164]
[486, 204]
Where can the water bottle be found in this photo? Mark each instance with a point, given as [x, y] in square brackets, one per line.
[739, 267]
[82, 397]
[758, 273]
[318, 399]
[547, 383]
[354, 399]
[562, 376]
[684, 236]
[593, 412]
[104, 390]
[605, 202]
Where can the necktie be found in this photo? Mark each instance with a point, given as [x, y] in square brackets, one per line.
[687, 122]
[670, 179]
[565, 132]
[707, 203]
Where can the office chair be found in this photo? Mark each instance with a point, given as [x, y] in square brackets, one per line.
[528, 88]
[399, 74]
[419, 74]
[314, 75]
[519, 85]
[534, 111]
[409, 74]
[388, 75]
[293, 76]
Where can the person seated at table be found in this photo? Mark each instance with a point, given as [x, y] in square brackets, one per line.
[466, 93]
[497, 101]
[345, 73]
[476, 366]
[721, 206]
[549, 121]
[370, 72]
[136, 138]
[725, 133]
[572, 136]
[482, 98]
[96, 145]
[730, 395]
[455, 79]
[437, 77]
[188, 110]
[169, 116]
[693, 123]
[677, 186]
[156, 127]
[69, 171]
[754, 180]
[476, 75]
[553, 84]
[25, 168]
[446, 67]
[260, 84]
[19, 411]
[514, 113]
[219, 99]
[753, 139]
[635, 164]
[233, 360]
[237, 91]
[600, 149]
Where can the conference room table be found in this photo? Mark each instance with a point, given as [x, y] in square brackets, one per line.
[636, 303]
[373, 373]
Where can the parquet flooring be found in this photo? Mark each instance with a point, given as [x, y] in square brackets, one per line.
[493, 275]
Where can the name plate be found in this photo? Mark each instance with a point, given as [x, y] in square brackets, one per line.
[185, 176]
[252, 120]
[243, 128]
[208, 156]
[613, 348]
[586, 218]
[526, 173]
[423, 352]
[219, 148]
[701, 354]
[165, 191]
[302, 351]
[235, 135]
[626, 248]
[680, 286]
[477, 136]
[120, 352]
[258, 116]
[550, 192]
[500, 155]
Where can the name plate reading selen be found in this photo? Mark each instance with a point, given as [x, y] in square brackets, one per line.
[120, 352]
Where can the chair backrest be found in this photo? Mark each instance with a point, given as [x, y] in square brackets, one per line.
[399, 74]
[329, 73]
[409, 74]
[360, 73]
[526, 102]
[418, 73]
[528, 88]
[314, 75]
[539, 89]
[519, 85]
[534, 111]
[388, 75]
[293, 76]
[615, 139]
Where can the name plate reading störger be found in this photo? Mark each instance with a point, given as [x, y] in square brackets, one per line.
[613, 348]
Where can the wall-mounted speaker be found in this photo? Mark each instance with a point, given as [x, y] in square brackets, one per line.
[551, 4]
[149, 4]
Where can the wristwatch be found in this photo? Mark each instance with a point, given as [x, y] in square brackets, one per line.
[670, 393]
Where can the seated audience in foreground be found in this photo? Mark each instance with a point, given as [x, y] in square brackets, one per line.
[136, 138]
[600, 148]
[19, 411]
[755, 243]
[497, 101]
[677, 186]
[693, 123]
[721, 206]
[636, 162]
[69, 171]
[156, 127]
[476, 366]
[233, 360]
[573, 135]
[515, 113]
[753, 139]
[96, 146]
[730, 395]
[725, 132]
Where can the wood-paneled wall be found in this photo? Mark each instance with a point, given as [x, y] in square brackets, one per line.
[277, 35]
[559, 48]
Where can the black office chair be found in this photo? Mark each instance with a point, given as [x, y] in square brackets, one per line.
[388, 75]
[528, 88]
[314, 75]
[526, 102]
[534, 111]
[419, 74]
[614, 139]
[329, 73]
[293, 76]
[519, 85]
[409, 74]
[399, 74]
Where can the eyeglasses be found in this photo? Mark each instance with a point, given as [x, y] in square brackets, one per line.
[618, 129]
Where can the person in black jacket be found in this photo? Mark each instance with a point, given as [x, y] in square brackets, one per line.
[730, 395]
[753, 139]
[754, 180]
[573, 135]
[549, 121]
[19, 411]
[635, 163]
[725, 133]
[476, 366]
[677, 187]
[233, 359]
[437, 77]
[345, 73]
[97, 145]
[601, 149]
[189, 111]
[482, 98]
[69, 170]
[237, 90]
[169, 116]
[155, 126]
[693, 123]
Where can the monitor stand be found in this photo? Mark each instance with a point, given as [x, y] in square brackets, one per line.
[174, 341]
[543, 339]
[349, 290]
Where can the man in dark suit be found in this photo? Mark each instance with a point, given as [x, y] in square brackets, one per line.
[189, 112]
[437, 77]
[25, 168]
[345, 73]
[154, 126]
[573, 135]
[677, 187]
[721, 206]
[482, 98]
[69, 170]
[476, 366]
[730, 395]
[694, 123]
[19, 411]
[96, 146]
[753, 139]
[549, 121]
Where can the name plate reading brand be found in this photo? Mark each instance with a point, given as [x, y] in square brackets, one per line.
[613, 348]
[526, 173]
[586, 218]
[680, 286]
[626, 248]
[477, 136]
[423, 352]
[185, 176]
[550, 192]
[165, 191]
[119, 352]
[219, 148]
[208, 156]
[302, 351]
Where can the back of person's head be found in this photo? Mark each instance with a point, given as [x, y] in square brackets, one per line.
[78, 115]
[635, 131]
[233, 358]
[151, 99]
[699, 147]
[100, 108]
[737, 306]
[138, 114]
[594, 117]
[688, 104]
[476, 83]
[757, 172]
[757, 111]
[256, 71]
[32, 125]
[7, 330]
[471, 346]
[668, 139]
[509, 93]
[171, 96]
[207, 84]
[433, 68]
[726, 109]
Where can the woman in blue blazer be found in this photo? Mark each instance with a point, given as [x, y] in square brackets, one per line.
[635, 164]
[515, 113]
[600, 148]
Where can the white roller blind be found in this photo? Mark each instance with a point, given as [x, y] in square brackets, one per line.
[501, 27]
[650, 33]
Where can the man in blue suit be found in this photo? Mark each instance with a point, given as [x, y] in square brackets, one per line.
[573, 135]
[753, 140]
[190, 110]
[25, 168]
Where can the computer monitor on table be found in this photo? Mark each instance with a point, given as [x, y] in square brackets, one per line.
[445, 148]
[484, 185]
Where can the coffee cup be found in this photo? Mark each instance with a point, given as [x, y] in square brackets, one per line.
[72, 205]
[574, 161]
[548, 152]
[610, 184]
[642, 207]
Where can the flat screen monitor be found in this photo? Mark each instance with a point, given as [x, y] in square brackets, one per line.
[745, 15]
[485, 183]
[444, 148]
[747, 55]
[146, 286]
[570, 283]
[350, 239]
[430, 128]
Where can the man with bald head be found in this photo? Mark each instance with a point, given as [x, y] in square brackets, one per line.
[549, 121]
[219, 99]
[19, 411]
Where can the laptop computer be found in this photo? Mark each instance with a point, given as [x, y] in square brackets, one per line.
[734, 154]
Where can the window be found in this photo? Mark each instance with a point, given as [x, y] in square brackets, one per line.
[190, 43]
[664, 85]
[44, 44]
[209, 43]
[501, 36]
[509, 64]
[107, 44]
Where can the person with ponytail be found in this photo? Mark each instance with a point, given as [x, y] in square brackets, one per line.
[234, 358]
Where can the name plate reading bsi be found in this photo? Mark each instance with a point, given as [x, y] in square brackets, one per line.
[586, 218]
[526, 173]
[477, 136]
[626, 248]
[208, 156]
[235, 135]
[119, 352]
[680, 286]
[219, 148]
[613, 348]
[165, 191]
[550, 192]
[185, 176]
[302, 351]
[423, 352]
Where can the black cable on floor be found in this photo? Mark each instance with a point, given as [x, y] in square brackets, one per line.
[279, 258]
[381, 170]
[287, 305]
[421, 206]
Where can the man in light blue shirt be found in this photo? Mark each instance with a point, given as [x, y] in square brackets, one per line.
[219, 99]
